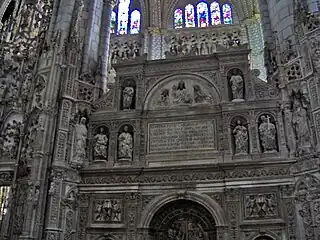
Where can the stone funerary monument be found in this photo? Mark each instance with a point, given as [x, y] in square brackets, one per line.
[159, 120]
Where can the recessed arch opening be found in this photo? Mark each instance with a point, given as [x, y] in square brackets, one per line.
[184, 220]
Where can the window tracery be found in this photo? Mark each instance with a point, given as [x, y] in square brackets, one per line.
[206, 14]
[178, 18]
[124, 19]
[189, 16]
[4, 195]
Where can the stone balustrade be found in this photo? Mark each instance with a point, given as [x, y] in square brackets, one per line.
[126, 47]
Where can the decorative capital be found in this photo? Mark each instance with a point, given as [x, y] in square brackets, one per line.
[111, 2]
[154, 31]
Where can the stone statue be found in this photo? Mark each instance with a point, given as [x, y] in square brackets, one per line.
[164, 98]
[236, 82]
[3, 91]
[80, 141]
[240, 134]
[301, 127]
[199, 95]
[127, 97]
[267, 131]
[125, 144]
[11, 138]
[101, 145]
[180, 94]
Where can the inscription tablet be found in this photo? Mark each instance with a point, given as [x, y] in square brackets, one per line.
[181, 136]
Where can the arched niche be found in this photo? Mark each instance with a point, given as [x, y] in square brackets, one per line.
[268, 133]
[128, 94]
[240, 136]
[100, 145]
[125, 144]
[183, 90]
[236, 83]
[183, 219]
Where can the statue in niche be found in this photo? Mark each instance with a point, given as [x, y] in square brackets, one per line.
[240, 134]
[180, 94]
[199, 95]
[267, 131]
[236, 82]
[11, 138]
[3, 91]
[127, 97]
[164, 98]
[80, 141]
[301, 127]
[100, 145]
[125, 143]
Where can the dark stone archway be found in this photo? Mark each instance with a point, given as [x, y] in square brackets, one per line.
[183, 220]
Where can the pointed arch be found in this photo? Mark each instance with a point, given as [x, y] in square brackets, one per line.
[227, 13]
[135, 18]
[123, 16]
[113, 22]
[178, 18]
[215, 13]
[190, 16]
[203, 15]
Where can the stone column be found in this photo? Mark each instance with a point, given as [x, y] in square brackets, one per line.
[105, 31]
[155, 50]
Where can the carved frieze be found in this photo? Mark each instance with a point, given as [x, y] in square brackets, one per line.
[188, 177]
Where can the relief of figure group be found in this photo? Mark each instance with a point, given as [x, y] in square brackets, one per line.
[182, 94]
[100, 143]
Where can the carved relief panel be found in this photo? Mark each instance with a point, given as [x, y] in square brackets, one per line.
[261, 206]
[182, 91]
[107, 210]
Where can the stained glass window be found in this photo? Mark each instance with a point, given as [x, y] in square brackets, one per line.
[227, 13]
[113, 22]
[202, 12]
[189, 16]
[178, 18]
[215, 13]
[123, 15]
[135, 22]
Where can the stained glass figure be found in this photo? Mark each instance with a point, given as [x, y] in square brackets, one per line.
[113, 22]
[178, 18]
[135, 22]
[203, 16]
[189, 16]
[215, 13]
[123, 15]
[227, 13]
